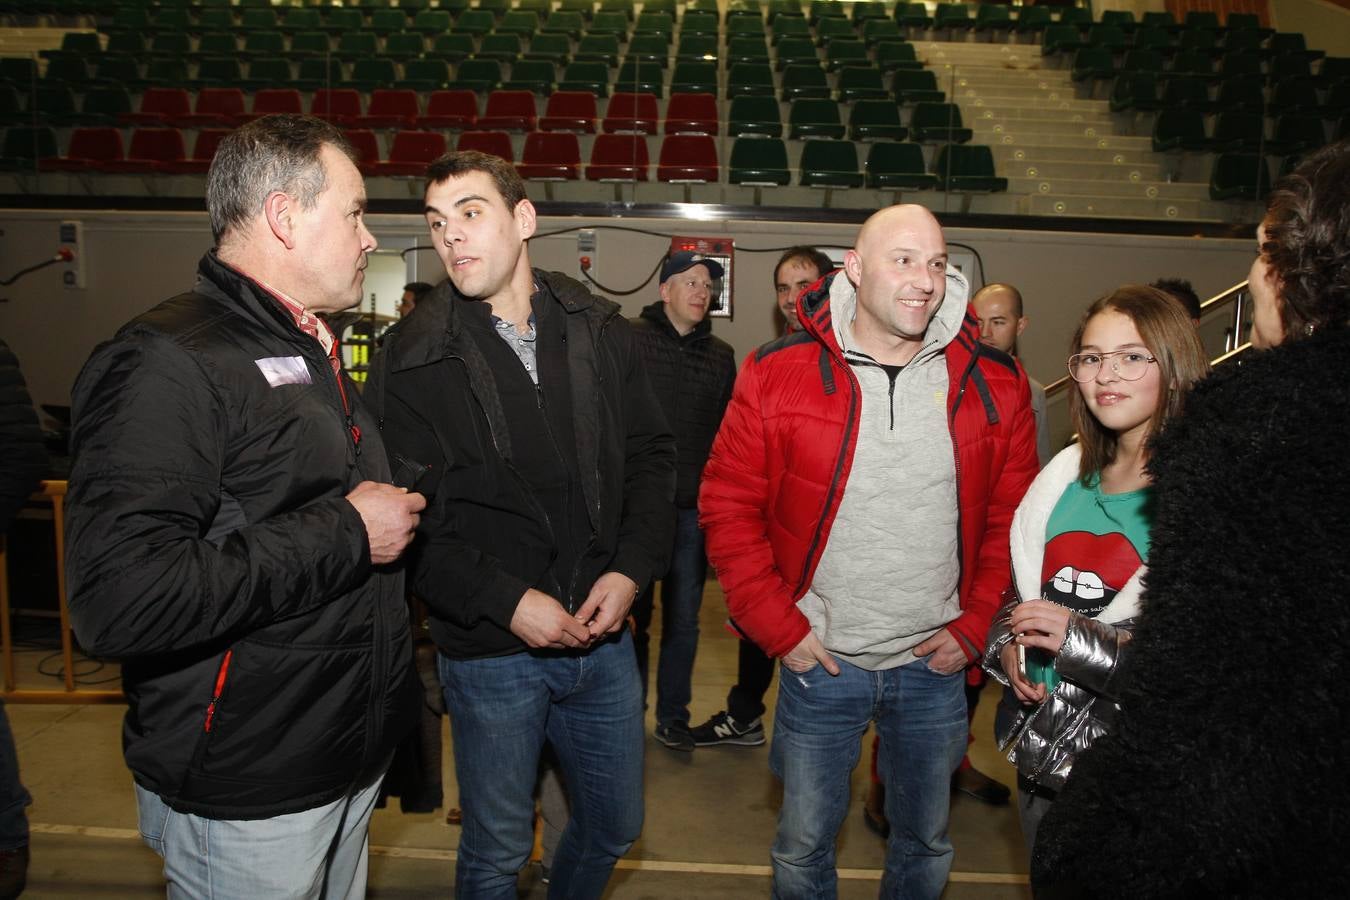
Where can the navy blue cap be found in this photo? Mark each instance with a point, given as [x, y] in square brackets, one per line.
[686, 260]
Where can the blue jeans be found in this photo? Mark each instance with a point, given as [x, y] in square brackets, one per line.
[589, 707]
[318, 853]
[681, 598]
[920, 717]
[13, 796]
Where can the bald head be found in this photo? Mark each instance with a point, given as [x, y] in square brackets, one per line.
[999, 309]
[899, 267]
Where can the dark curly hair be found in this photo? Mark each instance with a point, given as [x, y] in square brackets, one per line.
[1307, 241]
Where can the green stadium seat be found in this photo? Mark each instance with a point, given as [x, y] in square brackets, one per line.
[642, 78]
[938, 123]
[1109, 37]
[611, 23]
[106, 105]
[598, 48]
[1236, 131]
[432, 22]
[789, 26]
[830, 30]
[861, 83]
[582, 75]
[754, 115]
[892, 55]
[264, 44]
[1060, 38]
[1297, 133]
[403, 45]
[1239, 176]
[953, 17]
[993, 18]
[759, 162]
[310, 43]
[876, 31]
[916, 86]
[811, 118]
[699, 47]
[1243, 95]
[357, 45]
[1179, 129]
[553, 48]
[913, 15]
[794, 51]
[694, 78]
[1032, 20]
[804, 81]
[875, 120]
[372, 73]
[518, 21]
[749, 78]
[840, 53]
[1186, 93]
[1134, 91]
[1119, 18]
[451, 48]
[569, 23]
[1093, 63]
[1142, 61]
[268, 73]
[534, 75]
[649, 48]
[476, 22]
[479, 75]
[699, 23]
[71, 70]
[502, 47]
[967, 168]
[898, 166]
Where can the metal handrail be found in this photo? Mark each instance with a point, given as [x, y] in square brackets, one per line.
[1232, 346]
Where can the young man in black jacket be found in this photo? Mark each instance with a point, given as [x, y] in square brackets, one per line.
[230, 525]
[550, 471]
[693, 373]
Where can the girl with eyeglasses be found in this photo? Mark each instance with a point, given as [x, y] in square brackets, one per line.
[1080, 540]
[1224, 776]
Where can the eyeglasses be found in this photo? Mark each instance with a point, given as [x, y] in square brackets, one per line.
[1129, 365]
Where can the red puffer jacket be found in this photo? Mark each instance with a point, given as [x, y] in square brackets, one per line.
[782, 457]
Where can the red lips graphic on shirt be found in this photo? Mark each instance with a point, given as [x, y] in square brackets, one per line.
[1085, 571]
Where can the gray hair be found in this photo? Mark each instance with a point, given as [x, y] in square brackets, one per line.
[274, 153]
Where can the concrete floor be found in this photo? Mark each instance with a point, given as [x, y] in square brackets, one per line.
[710, 814]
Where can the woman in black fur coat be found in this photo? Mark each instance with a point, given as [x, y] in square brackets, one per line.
[1227, 774]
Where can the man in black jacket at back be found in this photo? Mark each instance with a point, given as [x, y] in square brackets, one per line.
[230, 525]
[550, 476]
[692, 373]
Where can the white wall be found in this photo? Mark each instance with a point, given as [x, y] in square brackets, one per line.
[134, 260]
[1325, 26]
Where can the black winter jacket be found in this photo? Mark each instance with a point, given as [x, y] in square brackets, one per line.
[267, 665]
[1225, 777]
[23, 459]
[692, 376]
[484, 539]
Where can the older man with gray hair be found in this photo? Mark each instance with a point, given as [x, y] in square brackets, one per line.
[231, 524]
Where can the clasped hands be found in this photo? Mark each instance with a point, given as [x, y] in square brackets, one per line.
[541, 621]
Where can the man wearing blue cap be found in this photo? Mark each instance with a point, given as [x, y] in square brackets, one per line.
[692, 373]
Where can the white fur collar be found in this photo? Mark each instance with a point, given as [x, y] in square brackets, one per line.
[1027, 537]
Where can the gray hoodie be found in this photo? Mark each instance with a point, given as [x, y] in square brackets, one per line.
[889, 576]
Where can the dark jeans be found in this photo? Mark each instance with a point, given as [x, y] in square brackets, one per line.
[13, 796]
[681, 598]
[502, 709]
[754, 674]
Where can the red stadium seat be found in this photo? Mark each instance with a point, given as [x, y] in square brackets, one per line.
[692, 114]
[268, 101]
[89, 149]
[509, 111]
[498, 143]
[339, 105]
[216, 107]
[570, 111]
[553, 156]
[161, 106]
[455, 110]
[151, 150]
[618, 157]
[203, 151]
[367, 149]
[629, 113]
[688, 158]
[391, 108]
[411, 152]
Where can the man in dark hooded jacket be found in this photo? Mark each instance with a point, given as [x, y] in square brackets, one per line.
[692, 373]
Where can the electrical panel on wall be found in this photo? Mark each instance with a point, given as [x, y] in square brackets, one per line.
[721, 249]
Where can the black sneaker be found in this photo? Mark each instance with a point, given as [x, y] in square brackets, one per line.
[676, 737]
[723, 729]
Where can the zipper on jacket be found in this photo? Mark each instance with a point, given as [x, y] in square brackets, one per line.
[557, 452]
[218, 690]
[849, 424]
